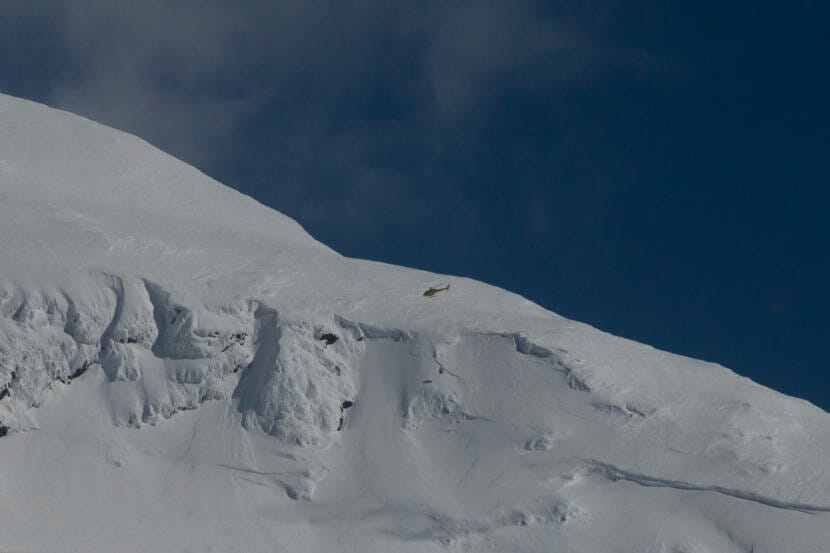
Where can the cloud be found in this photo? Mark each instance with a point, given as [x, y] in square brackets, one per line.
[151, 68]
[473, 42]
[349, 100]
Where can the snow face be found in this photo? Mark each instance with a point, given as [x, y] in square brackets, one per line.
[184, 369]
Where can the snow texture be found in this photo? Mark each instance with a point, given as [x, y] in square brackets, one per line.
[184, 369]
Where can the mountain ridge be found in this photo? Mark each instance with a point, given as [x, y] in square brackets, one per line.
[175, 305]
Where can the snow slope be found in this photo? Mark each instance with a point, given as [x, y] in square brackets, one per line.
[166, 385]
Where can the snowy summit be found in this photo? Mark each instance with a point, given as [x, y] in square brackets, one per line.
[185, 369]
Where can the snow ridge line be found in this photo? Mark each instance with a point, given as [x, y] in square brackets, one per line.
[559, 362]
[527, 347]
[616, 474]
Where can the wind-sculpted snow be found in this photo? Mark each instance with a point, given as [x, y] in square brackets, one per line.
[295, 385]
[160, 357]
[184, 369]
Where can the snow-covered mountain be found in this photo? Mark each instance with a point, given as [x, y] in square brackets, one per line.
[184, 369]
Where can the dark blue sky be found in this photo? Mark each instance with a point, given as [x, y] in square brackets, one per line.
[657, 170]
